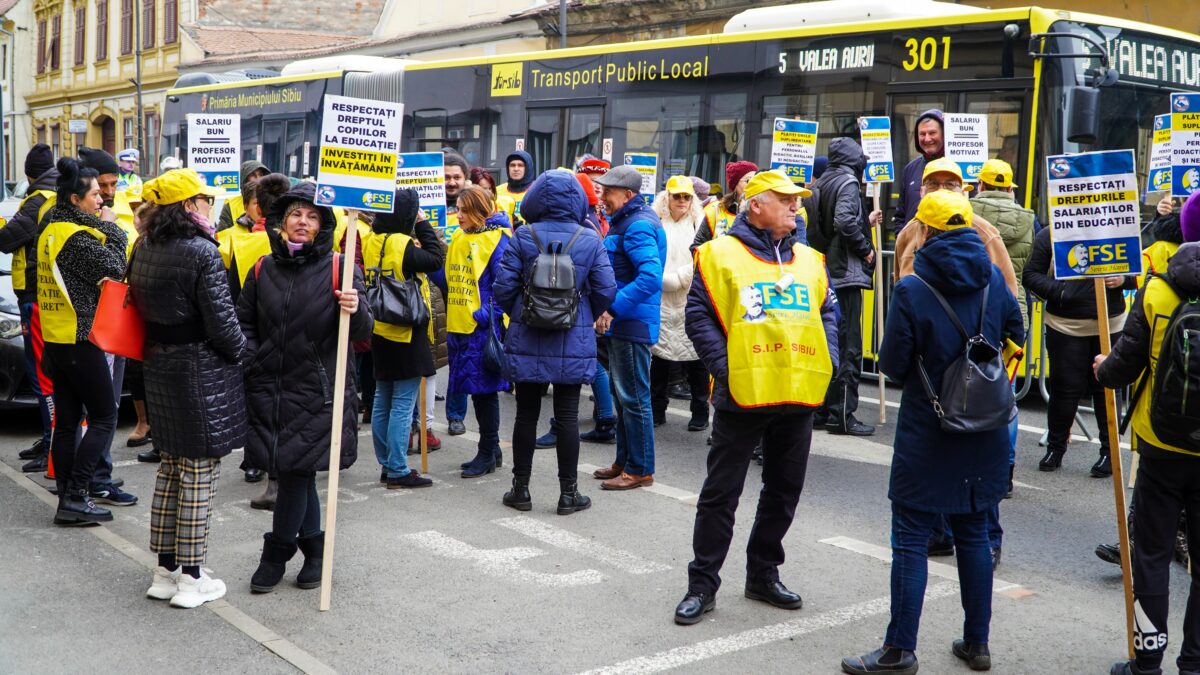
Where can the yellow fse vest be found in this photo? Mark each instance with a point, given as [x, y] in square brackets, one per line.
[514, 215]
[19, 261]
[124, 211]
[1159, 302]
[59, 320]
[775, 340]
[466, 261]
[244, 248]
[392, 265]
[1155, 258]
[719, 220]
[237, 207]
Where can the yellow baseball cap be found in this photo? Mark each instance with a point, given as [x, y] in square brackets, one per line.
[997, 172]
[941, 165]
[175, 186]
[681, 185]
[774, 181]
[938, 208]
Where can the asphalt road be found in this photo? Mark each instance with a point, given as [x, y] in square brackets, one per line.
[448, 580]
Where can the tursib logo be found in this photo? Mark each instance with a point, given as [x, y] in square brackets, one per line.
[511, 80]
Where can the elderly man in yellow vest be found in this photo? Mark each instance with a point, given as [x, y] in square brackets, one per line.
[760, 307]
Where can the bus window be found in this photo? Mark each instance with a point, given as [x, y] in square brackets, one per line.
[906, 108]
[667, 125]
[1003, 109]
[583, 133]
[272, 142]
[543, 138]
[726, 115]
[835, 112]
[294, 148]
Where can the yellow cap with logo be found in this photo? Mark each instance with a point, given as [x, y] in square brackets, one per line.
[681, 185]
[175, 186]
[997, 172]
[945, 210]
[774, 181]
[941, 165]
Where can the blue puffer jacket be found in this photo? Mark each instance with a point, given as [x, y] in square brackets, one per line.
[556, 206]
[637, 247]
[467, 372]
[933, 470]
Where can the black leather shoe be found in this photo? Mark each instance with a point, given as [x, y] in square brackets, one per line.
[773, 593]
[35, 465]
[1130, 668]
[693, 607]
[255, 475]
[853, 427]
[976, 655]
[36, 450]
[76, 508]
[882, 660]
[149, 456]
[456, 428]
[1109, 553]
[1052, 461]
[1102, 468]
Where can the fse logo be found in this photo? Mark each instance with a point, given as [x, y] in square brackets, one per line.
[506, 79]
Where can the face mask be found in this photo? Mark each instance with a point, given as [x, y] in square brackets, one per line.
[293, 248]
[202, 223]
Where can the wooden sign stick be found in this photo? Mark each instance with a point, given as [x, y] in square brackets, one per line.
[878, 333]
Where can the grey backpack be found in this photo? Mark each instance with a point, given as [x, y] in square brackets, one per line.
[551, 298]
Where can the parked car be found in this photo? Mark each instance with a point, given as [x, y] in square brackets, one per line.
[15, 388]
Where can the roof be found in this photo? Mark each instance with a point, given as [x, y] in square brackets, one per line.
[344, 17]
[6, 5]
[218, 41]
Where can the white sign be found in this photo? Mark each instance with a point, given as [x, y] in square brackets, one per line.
[606, 150]
[1185, 144]
[520, 145]
[425, 172]
[305, 161]
[360, 143]
[1094, 214]
[646, 164]
[966, 142]
[215, 149]
[876, 136]
[77, 126]
[793, 149]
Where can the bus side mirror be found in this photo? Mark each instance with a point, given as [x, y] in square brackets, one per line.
[1083, 115]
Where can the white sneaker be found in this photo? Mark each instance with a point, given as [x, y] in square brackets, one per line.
[196, 592]
[165, 584]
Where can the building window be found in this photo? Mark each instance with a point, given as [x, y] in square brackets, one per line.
[41, 134]
[101, 30]
[56, 140]
[129, 126]
[41, 55]
[55, 40]
[170, 22]
[80, 27]
[148, 32]
[126, 26]
[152, 131]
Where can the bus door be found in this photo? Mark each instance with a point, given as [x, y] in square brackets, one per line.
[283, 146]
[558, 134]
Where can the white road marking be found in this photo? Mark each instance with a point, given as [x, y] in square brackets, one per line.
[937, 569]
[549, 534]
[504, 563]
[756, 637]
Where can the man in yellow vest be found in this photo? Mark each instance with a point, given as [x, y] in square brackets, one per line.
[760, 305]
[519, 168]
[19, 237]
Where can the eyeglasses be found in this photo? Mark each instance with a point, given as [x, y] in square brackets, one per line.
[208, 198]
[931, 185]
[682, 196]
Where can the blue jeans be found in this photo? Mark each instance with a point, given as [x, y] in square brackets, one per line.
[32, 373]
[391, 421]
[456, 406]
[630, 364]
[602, 392]
[910, 570]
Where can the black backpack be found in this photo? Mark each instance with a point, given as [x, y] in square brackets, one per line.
[1175, 399]
[976, 392]
[551, 299]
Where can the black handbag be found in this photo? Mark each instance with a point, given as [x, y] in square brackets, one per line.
[493, 349]
[393, 301]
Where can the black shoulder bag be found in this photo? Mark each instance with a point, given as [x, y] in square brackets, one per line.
[393, 301]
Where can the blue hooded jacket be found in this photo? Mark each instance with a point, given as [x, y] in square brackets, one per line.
[933, 470]
[556, 207]
[637, 247]
[910, 177]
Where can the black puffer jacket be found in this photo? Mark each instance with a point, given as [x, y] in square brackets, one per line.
[1070, 299]
[194, 389]
[843, 234]
[290, 317]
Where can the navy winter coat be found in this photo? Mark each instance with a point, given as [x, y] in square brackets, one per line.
[910, 177]
[556, 208]
[467, 372]
[933, 470]
[637, 247]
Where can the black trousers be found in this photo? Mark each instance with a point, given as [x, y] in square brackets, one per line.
[1165, 487]
[81, 381]
[566, 417]
[660, 383]
[786, 440]
[297, 507]
[841, 399]
[1071, 378]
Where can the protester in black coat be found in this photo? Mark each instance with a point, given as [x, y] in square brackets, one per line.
[289, 311]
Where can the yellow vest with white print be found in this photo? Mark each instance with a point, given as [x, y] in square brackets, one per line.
[388, 260]
[775, 341]
[514, 215]
[719, 220]
[20, 262]
[59, 320]
[466, 260]
[1159, 302]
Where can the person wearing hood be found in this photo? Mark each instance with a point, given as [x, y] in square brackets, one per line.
[1168, 476]
[403, 247]
[636, 246]
[554, 207]
[473, 320]
[843, 235]
[289, 311]
[929, 141]
[192, 375]
[520, 170]
[759, 305]
[719, 215]
[936, 474]
[235, 206]
[19, 236]
[679, 210]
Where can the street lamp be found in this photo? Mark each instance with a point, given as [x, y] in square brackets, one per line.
[137, 82]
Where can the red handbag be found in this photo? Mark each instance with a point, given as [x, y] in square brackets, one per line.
[118, 327]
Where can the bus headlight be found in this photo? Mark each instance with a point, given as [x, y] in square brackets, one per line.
[10, 326]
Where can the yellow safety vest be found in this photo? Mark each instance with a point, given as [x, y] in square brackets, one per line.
[392, 265]
[450, 226]
[514, 216]
[775, 341]
[340, 223]
[719, 220]
[59, 320]
[506, 204]
[237, 207]
[1159, 302]
[19, 261]
[124, 212]
[1155, 257]
[230, 232]
[466, 260]
[245, 249]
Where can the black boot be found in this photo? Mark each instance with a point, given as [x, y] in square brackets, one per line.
[499, 455]
[266, 501]
[150, 456]
[271, 566]
[75, 507]
[518, 497]
[699, 421]
[313, 549]
[570, 500]
[1052, 460]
